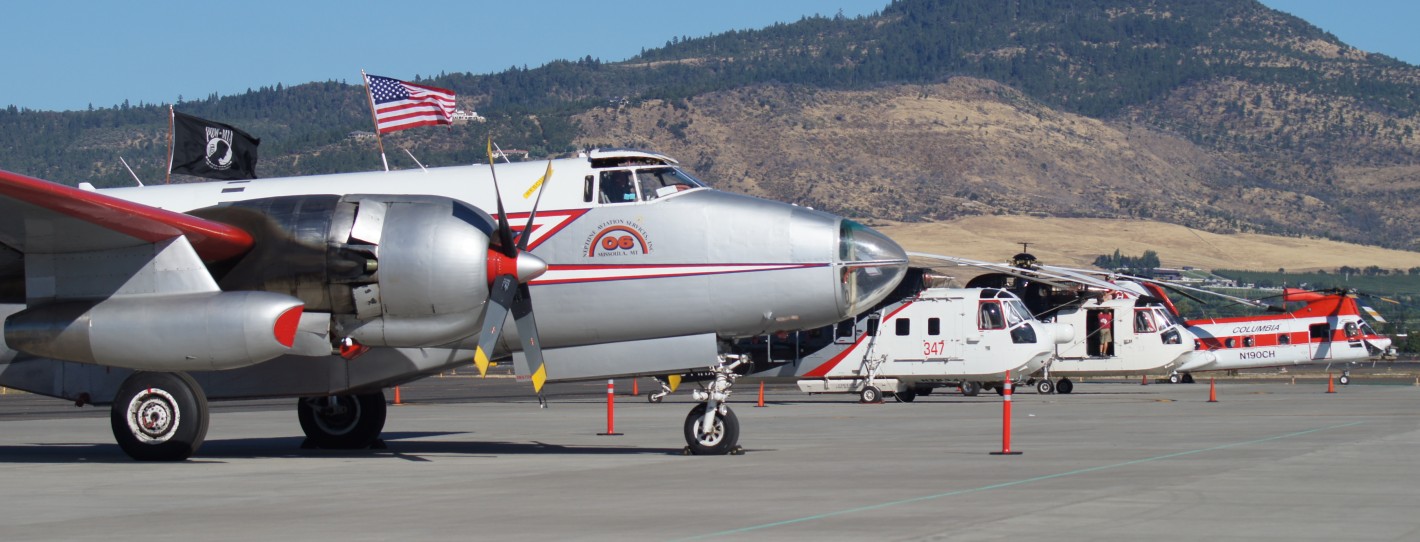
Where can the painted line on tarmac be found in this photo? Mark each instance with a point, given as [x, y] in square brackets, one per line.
[869, 508]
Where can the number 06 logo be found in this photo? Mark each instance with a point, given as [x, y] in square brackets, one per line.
[617, 240]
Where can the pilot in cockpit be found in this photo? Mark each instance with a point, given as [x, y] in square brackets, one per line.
[617, 187]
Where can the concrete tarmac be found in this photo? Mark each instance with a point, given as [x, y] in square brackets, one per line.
[477, 459]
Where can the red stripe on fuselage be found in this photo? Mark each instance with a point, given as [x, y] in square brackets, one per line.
[827, 366]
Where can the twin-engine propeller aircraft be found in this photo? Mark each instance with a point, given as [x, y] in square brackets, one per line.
[1127, 329]
[331, 288]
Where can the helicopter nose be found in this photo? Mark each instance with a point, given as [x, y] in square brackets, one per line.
[870, 264]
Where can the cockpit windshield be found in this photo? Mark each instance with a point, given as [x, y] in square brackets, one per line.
[1016, 312]
[663, 181]
[644, 184]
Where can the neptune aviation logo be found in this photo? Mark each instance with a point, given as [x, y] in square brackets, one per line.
[617, 238]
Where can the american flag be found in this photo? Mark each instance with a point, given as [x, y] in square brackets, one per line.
[400, 105]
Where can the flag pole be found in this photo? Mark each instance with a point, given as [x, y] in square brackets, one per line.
[169, 178]
[373, 118]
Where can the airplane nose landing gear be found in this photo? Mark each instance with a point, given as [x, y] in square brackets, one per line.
[711, 428]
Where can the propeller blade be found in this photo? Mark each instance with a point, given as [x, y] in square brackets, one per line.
[540, 185]
[495, 313]
[505, 232]
[527, 333]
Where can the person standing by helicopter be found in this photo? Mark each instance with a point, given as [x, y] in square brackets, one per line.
[1106, 334]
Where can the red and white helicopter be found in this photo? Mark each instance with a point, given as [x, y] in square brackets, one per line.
[328, 289]
[1329, 328]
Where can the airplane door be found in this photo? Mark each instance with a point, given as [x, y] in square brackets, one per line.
[1320, 341]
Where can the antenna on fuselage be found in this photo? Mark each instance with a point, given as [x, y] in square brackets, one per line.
[416, 160]
[130, 171]
[501, 153]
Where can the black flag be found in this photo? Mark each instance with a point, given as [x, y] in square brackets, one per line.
[211, 149]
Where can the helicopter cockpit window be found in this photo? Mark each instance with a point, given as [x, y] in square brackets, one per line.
[617, 186]
[664, 181]
[1016, 312]
[1352, 332]
[991, 317]
[1144, 321]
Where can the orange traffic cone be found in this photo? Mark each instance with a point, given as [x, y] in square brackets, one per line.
[1143, 380]
[1330, 384]
[1212, 391]
[761, 394]
[397, 402]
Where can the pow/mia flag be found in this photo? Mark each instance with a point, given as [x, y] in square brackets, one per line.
[204, 148]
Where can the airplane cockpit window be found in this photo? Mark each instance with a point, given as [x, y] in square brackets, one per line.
[991, 317]
[617, 186]
[664, 181]
[1144, 321]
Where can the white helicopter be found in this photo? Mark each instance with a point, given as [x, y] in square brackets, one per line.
[1128, 329]
[932, 338]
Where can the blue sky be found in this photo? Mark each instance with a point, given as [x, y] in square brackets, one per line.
[68, 54]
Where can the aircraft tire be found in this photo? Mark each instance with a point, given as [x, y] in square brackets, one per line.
[870, 394]
[1044, 386]
[355, 424]
[1175, 378]
[970, 389]
[159, 416]
[924, 390]
[653, 397]
[1001, 389]
[723, 438]
[1344, 380]
[905, 396]
[1187, 378]
[1064, 386]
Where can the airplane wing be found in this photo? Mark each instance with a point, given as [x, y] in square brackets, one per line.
[38, 216]
[121, 284]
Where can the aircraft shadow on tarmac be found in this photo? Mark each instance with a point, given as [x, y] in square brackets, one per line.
[412, 446]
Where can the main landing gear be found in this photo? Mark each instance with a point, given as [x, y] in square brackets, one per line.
[711, 428]
[159, 416]
[342, 422]
[1180, 378]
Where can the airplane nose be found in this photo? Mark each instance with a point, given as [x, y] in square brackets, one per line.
[870, 266]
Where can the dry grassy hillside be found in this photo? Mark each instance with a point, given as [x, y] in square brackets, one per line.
[963, 148]
[1076, 242]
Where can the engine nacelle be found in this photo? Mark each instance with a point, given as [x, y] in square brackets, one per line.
[392, 270]
[191, 332]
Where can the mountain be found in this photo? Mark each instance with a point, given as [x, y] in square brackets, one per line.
[1221, 115]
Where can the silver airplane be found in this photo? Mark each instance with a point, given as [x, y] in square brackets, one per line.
[330, 288]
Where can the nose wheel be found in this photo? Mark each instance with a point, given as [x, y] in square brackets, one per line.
[711, 428]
